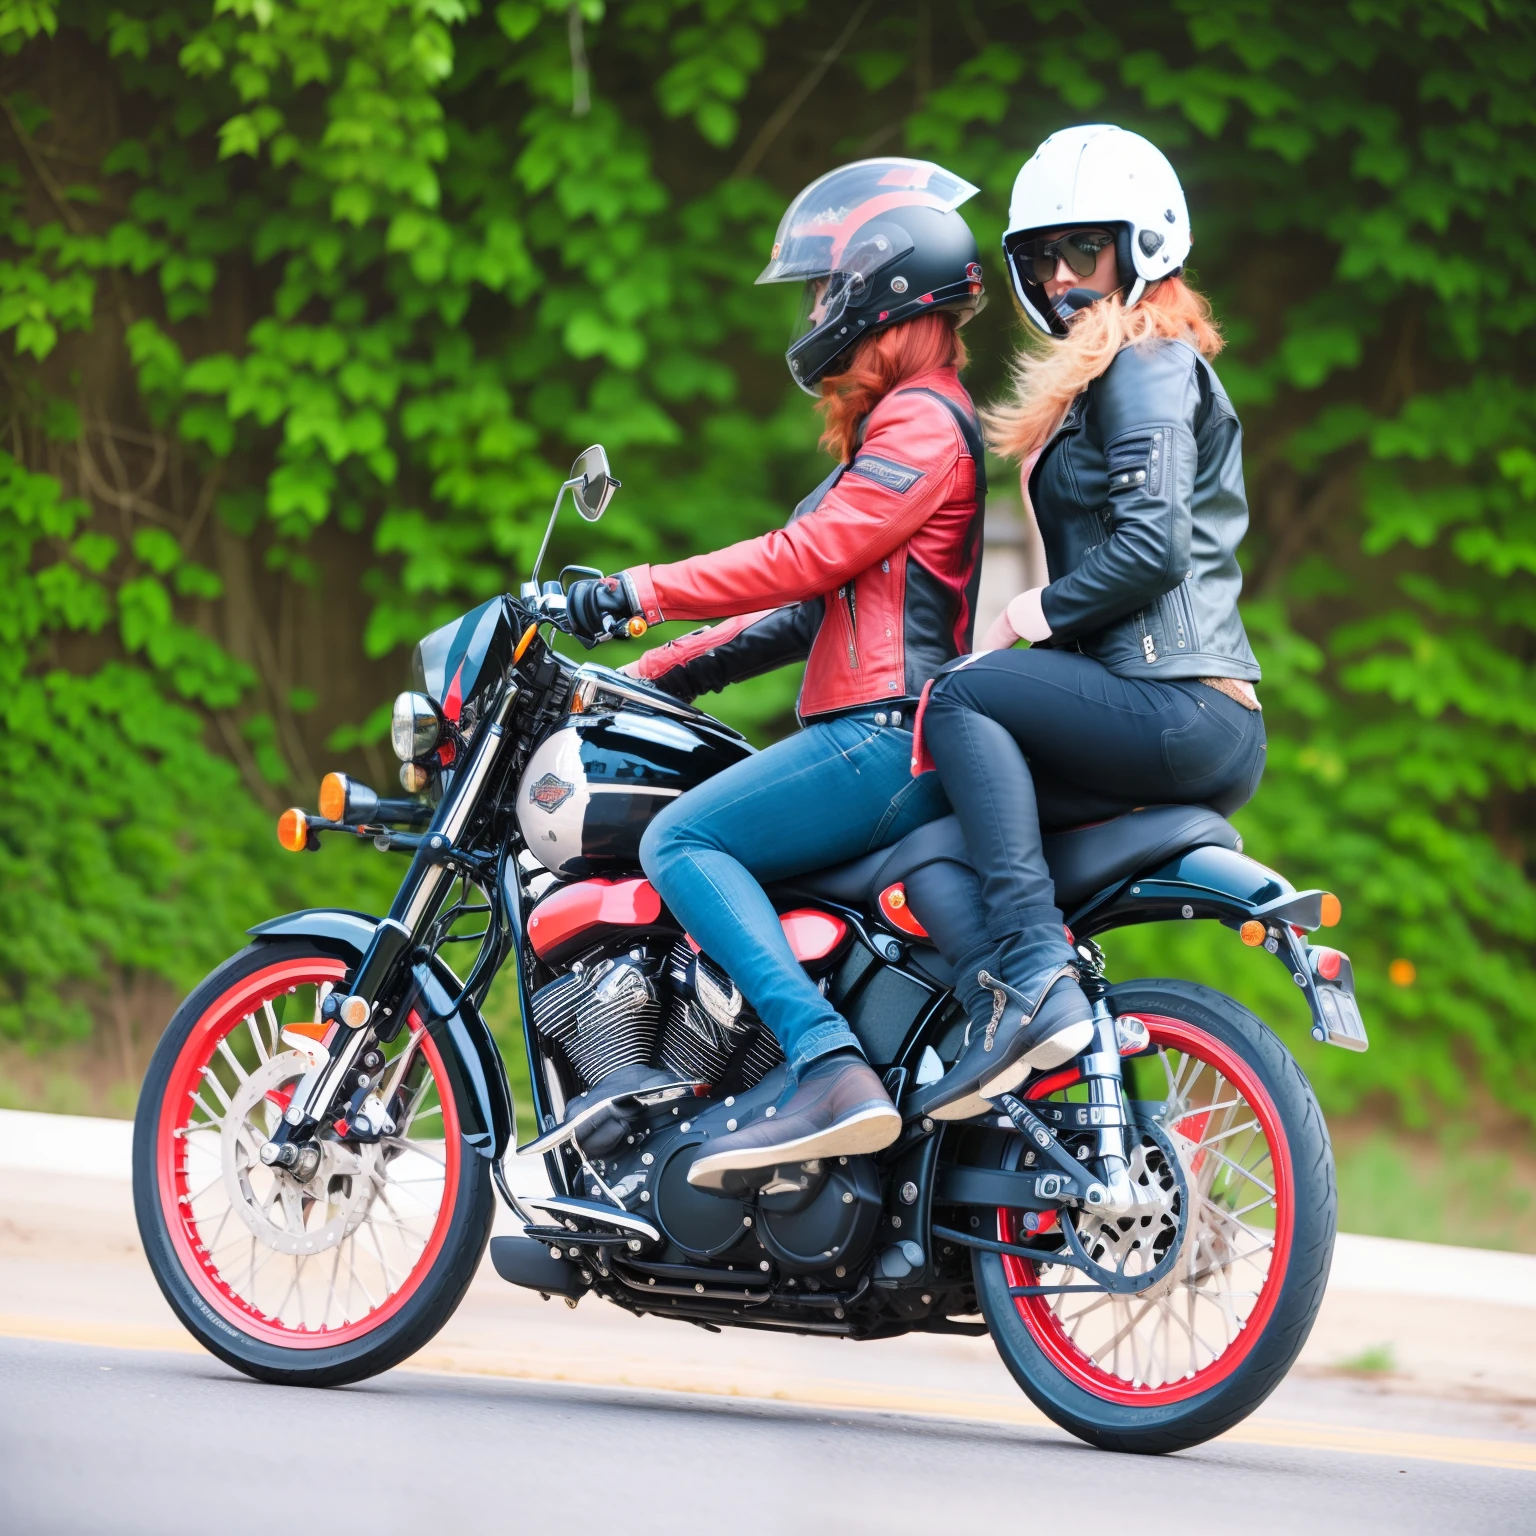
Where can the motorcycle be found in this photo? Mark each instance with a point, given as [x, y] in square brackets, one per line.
[1145, 1233]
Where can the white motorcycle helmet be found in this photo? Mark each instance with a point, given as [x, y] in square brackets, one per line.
[1096, 175]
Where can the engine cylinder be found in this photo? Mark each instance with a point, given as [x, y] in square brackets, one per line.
[603, 1016]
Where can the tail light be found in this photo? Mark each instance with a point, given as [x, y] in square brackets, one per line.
[894, 908]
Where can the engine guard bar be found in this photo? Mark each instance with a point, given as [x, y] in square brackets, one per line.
[1220, 883]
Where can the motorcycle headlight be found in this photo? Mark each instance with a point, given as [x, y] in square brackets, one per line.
[416, 727]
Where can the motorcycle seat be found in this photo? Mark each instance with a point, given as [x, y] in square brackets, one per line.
[1082, 860]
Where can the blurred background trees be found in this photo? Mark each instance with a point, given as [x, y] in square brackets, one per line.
[306, 304]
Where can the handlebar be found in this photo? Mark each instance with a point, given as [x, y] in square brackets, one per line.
[550, 606]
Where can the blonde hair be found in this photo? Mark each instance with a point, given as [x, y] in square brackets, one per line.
[1048, 378]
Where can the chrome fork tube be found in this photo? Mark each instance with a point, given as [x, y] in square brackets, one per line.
[415, 905]
[1108, 1109]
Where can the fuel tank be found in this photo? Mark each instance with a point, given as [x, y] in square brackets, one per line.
[593, 785]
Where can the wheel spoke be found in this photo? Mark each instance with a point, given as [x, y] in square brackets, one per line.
[263, 1055]
[1251, 1177]
[233, 1060]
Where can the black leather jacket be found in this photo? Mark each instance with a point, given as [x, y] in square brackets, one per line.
[1139, 497]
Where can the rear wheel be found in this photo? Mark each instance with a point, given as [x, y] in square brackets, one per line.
[313, 1280]
[1251, 1210]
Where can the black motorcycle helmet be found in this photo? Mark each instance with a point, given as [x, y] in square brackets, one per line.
[875, 243]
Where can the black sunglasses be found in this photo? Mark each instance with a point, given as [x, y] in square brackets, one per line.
[1036, 258]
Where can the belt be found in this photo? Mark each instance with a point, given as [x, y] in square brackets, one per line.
[1236, 690]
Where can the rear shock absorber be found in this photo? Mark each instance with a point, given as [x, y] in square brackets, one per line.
[1108, 1112]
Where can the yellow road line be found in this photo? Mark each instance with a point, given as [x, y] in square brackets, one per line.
[830, 1395]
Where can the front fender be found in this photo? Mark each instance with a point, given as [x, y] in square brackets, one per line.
[475, 1070]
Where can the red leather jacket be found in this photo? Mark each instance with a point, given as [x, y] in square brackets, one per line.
[874, 577]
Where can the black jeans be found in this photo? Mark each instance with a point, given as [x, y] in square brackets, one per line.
[1025, 740]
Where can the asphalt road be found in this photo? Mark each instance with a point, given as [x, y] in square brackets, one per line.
[99, 1440]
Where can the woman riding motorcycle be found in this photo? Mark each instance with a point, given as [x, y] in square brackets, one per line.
[874, 578]
[1138, 683]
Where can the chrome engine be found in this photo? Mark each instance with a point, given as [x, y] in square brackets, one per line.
[666, 1054]
[677, 1013]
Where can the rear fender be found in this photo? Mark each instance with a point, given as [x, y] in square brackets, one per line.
[476, 1073]
[1220, 883]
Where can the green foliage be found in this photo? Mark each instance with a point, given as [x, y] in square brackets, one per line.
[340, 286]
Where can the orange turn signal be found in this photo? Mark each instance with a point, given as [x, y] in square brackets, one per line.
[293, 830]
[333, 796]
[636, 627]
[1252, 933]
[1333, 910]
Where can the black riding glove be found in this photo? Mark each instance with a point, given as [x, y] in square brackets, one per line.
[600, 607]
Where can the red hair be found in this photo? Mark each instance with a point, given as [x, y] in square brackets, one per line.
[879, 363]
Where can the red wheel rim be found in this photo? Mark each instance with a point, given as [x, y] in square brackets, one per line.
[1060, 1325]
[214, 1070]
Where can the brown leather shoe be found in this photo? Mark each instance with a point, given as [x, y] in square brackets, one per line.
[839, 1109]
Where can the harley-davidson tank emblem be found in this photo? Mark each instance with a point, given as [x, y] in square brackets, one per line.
[550, 793]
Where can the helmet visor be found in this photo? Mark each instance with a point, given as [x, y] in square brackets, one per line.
[814, 234]
[828, 295]
[1035, 256]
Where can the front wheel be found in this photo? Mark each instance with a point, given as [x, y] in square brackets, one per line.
[1252, 1219]
[310, 1281]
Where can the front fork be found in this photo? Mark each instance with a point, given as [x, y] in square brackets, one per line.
[377, 975]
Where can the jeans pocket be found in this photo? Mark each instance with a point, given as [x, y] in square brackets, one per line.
[1202, 747]
[854, 738]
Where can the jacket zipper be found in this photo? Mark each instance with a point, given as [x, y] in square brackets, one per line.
[1148, 645]
[846, 596]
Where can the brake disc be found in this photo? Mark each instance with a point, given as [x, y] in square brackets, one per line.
[1136, 1251]
[291, 1215]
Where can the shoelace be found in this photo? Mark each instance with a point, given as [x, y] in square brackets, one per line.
[1001, 992]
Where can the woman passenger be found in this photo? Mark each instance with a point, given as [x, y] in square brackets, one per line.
[1137, 686]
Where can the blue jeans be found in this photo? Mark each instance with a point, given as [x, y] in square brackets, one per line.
[838, 789]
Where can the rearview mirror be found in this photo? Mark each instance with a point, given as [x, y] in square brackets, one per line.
[592, 483]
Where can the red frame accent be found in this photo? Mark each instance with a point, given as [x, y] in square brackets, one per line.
[221, 1018]
[453, 700]
[812, 934]
[900, 915]
[569, 912]
[1046, 1329]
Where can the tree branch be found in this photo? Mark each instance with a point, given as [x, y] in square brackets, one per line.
[44, 175]
[798, 97]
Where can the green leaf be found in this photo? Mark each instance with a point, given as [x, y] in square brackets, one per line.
[157, 549]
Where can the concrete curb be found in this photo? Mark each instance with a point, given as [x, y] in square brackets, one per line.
[103, 1149]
